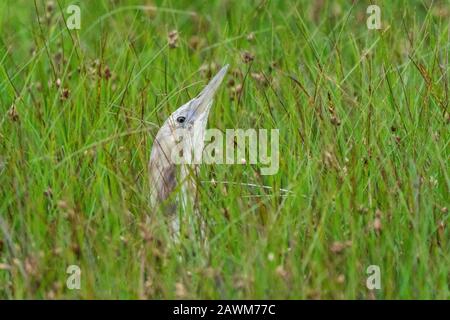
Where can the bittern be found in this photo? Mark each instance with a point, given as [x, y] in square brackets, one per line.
[166, 175]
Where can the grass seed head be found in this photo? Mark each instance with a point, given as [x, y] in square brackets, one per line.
[251, 37]
[173, 39]
[13, 114]
[50, 6]
[235, 91]
[340, 279]
[65, 93]
[207, 70]
[259, 78]
[338, 246]
[247, 57]
[377, 225]
[107, 73]
[48, 192]
[196, 43]
[281, 272]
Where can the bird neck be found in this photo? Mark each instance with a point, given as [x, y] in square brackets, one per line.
[166, 177]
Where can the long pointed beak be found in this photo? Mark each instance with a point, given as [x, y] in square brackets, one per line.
[205, 98]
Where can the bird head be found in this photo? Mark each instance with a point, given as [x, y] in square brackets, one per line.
[185, 128]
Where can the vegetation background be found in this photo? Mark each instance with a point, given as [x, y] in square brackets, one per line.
[364, 139]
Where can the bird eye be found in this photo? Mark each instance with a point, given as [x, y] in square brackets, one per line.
[181, 119]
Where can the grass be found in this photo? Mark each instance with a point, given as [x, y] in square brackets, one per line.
[364, 149]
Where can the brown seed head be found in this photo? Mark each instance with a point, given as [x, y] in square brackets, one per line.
[173, 39]
[13, 114]
[247, 57]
